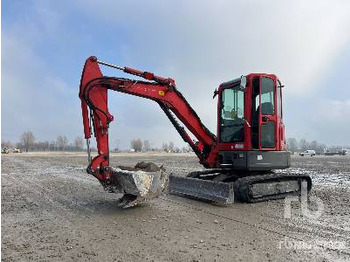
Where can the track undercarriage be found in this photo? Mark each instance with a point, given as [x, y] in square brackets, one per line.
[224, 186]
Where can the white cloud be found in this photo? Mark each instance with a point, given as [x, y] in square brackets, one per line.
[298, 40]
[331, 118]
[200, 44]
[335, 110]
[32, 96]
[325, 120]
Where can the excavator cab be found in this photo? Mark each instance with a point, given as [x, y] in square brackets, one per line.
[250, 127]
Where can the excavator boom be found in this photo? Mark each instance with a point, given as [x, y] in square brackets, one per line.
[96, 120]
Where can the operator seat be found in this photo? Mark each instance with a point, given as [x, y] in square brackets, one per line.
[267, 108]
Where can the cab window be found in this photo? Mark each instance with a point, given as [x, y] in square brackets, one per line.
[232, 115]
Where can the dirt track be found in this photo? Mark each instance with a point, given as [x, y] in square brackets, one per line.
[53, 211]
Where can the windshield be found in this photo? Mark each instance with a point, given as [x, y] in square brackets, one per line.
[232, 116]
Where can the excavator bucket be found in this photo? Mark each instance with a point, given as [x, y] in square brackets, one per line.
[143, 182]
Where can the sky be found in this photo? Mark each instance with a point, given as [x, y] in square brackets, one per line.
[200, 44]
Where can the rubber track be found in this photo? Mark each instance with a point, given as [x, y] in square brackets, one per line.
[243, 191]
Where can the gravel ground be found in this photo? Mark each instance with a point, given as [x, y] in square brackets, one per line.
[51, 210]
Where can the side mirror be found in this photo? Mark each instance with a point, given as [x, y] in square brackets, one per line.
[216, 92]
[243, 83]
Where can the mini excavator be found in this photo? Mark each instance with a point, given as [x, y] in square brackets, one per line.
[246, 160]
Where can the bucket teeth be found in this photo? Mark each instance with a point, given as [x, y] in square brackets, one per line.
[127, 201]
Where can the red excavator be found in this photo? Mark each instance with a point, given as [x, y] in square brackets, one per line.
[244, 160]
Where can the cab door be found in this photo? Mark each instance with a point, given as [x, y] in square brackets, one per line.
[267, 114]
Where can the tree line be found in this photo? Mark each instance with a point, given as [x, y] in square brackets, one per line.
[294, 145]
[138, 145]
[27, 142]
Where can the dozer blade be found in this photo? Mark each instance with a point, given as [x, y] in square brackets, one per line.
[143, 182]
[273, 186]
[218, 192]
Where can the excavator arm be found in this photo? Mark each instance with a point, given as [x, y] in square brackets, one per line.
[96, 117]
